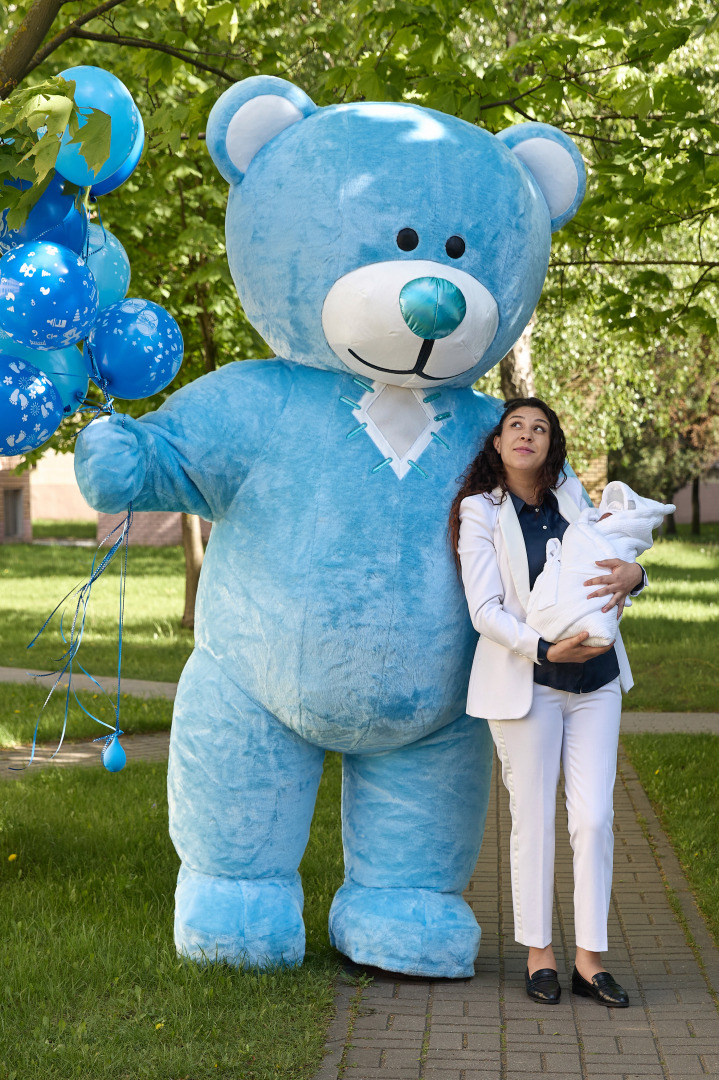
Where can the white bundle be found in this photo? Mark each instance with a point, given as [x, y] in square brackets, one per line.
[558, 604]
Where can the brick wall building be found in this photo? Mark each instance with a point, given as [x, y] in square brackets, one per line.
[594, 477]
[15, 517]
[154, 529]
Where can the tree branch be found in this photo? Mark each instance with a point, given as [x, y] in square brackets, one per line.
[29, 34]
[158, 46]
[69, 32]
[637, 262]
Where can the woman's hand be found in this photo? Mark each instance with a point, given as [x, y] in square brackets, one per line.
[618, 584]
[571, 650]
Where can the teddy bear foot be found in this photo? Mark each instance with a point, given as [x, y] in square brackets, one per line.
[413, 931]
[244, 922]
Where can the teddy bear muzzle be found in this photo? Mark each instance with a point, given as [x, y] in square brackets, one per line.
[409, 322]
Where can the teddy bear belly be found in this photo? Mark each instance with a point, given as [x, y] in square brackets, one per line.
[363, 664]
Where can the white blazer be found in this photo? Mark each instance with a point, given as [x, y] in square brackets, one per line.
[495, 572]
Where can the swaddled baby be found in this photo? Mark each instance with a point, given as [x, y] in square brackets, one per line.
[619, 528]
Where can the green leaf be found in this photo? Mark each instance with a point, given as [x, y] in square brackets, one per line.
[93, 138]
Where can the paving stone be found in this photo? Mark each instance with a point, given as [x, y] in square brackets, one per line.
[670, 1032]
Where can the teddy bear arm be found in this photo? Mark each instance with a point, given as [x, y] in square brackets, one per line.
[190, 455]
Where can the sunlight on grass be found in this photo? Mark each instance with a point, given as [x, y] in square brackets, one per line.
[672, 631]
[34, 579]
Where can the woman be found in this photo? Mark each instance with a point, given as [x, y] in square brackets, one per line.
[546, 702]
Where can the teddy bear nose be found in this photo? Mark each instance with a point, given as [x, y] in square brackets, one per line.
[432, 307]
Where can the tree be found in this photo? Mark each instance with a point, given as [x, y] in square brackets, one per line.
[682, 442]
[633, 85]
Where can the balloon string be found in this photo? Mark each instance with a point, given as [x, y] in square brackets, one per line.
[74, 640]
[107, 407]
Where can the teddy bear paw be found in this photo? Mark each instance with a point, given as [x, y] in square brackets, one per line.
[244, 922]
[414, 931]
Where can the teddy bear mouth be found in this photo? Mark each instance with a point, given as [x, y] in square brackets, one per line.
[419, 366]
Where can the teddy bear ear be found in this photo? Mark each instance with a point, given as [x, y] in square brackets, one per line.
[248, 116]
[554, 162]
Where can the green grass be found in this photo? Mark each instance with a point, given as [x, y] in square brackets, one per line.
[91, 985]
[34, 579]
[43, 529]
[20, 707]
[672, 631]
[679, 774]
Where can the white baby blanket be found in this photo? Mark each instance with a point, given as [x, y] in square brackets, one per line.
[558, 605]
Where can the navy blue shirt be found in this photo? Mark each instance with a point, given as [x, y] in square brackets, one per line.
[539, 524]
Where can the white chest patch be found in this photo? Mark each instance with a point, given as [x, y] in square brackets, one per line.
[400, 422]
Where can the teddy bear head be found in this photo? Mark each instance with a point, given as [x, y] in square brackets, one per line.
[403, 244]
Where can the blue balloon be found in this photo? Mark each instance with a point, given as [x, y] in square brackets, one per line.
[137, 347]
[110, 265]
[95, 88]
[30, 407]
[54, 219]
[48, 297]
[66, 369]
[128, 166]
[113, 755]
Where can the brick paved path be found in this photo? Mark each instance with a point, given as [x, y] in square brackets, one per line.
[486, 1028]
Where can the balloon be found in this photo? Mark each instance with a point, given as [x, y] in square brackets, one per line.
[137, 347]
[110, 265]
[53, 219]
[95, 88]
[113, 755]
[127, 167]
[30, 407]
[48, 297]
[66, 369]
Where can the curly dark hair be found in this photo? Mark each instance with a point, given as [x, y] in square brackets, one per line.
[486, 472]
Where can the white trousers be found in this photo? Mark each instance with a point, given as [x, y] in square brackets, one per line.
[581, 731]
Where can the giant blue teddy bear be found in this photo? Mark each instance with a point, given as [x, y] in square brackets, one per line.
[390, 255]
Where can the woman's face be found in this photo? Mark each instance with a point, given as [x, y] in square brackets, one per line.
[524, 443]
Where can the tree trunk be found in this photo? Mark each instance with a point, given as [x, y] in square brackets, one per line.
[194, 554]
[696, 509]
[515, 368]
[26, 40]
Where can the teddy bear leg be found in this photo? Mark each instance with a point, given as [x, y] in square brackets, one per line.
[413, 820]
[241, 790]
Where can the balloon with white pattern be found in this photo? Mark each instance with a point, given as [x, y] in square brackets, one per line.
[137, 348]
[48, 296]
[30, 407]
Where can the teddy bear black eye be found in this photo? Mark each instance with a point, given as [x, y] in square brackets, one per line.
[407, 239]
[455, 247]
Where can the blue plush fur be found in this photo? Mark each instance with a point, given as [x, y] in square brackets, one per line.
[329, 614]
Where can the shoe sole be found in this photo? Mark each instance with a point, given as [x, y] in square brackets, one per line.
[607, 1004]
[543, 1001]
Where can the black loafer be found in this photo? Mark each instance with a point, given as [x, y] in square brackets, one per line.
[603, 988]
[543, 986]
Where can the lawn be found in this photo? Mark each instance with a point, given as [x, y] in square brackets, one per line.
[33, 579]
[679, 774]
[672, 632]
[91, 984]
